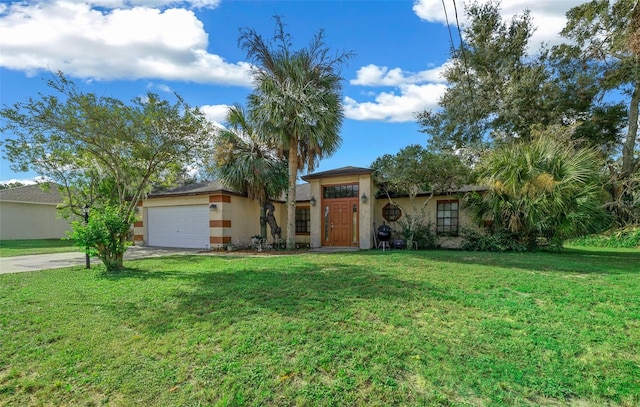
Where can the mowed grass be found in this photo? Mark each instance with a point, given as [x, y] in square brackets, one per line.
[433, 328]
[9, 248]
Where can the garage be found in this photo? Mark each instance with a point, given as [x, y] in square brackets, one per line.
[178, 226]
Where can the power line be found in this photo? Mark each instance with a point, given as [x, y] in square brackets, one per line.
[464, 59]
[446, 18]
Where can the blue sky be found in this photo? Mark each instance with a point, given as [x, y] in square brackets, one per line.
[124, 48]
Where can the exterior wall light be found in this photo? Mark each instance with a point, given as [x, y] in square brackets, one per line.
[213, 207]
[364, 198]
[313, 201]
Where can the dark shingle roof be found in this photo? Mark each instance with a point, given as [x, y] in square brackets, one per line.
[338, 172]
[462, 190]
[32, 194]
[200, 188]
[204, 188]
[303, 192]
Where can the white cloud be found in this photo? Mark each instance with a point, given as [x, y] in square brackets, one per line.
[414, 91]
[25, 181]
[216, 114]
[391, 107]
[373, 75]
[548, 15]
[154, 3]
[433, 11]
[140, 42]
[159, 86]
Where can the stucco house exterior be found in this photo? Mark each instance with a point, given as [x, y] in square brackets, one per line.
[336, 208]
[29, 212]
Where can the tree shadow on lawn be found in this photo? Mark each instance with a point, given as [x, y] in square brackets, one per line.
[568, 261]
[304, 289]
[233, 288]
[131, 271]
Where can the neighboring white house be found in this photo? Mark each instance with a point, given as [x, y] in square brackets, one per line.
[29, 212]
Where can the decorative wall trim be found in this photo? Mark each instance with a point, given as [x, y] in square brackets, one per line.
[220, 223]
[219, 198]
[219, 240]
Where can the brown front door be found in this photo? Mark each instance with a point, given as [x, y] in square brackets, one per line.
[340, 222]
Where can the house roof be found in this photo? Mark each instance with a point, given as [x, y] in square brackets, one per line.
[471, 188]
[339, 172]
[303, 192]
[199, 188]
[462, 190]
[205, 188]
[32, 194]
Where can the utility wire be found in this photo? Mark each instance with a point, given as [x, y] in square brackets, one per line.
[465, 65]
[446, 18]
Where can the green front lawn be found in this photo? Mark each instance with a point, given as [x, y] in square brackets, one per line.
[394, 328]
[10, 248]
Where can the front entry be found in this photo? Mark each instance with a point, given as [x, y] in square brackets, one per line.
[340, 222]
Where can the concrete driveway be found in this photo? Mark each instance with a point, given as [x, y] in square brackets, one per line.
[57, 260]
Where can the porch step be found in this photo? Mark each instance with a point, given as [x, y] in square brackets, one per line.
[334, 249]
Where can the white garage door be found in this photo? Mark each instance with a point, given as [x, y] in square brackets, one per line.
[178, 226]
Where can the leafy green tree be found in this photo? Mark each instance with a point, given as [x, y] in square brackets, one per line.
[413, 171]
[103, 152]
[10, 185]
[296, 101]
[105, 235]
[498, 92]
[249, 163]
[493, 92]
[605, 38]
[603, 32]
[543, 188]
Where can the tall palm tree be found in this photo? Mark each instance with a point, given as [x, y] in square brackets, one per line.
[296, 101]
[249, 163]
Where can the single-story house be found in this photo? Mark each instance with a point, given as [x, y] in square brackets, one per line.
[338, 207]
[29, 212]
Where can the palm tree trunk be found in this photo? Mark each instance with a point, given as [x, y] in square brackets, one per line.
[263, 219]
[628, 160]
[291, 194]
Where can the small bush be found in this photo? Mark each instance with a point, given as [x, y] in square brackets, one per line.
[426, 237]
[500, 241]
[105, 235]
[623, 238]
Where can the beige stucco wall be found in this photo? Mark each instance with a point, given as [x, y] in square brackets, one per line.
[235, 222]
[430, 208]
[19, 220]
[315, 213]
[245, 220]
[367, 211]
